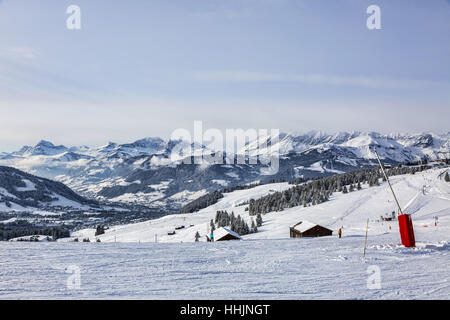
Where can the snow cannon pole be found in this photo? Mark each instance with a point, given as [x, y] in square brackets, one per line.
[404, 220]
[387, 179]
[365, 242]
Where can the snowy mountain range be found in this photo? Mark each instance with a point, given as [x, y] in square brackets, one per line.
[29, 203]
[144, 172]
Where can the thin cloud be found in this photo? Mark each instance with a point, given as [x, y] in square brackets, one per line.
[318, 79]
[23, 52]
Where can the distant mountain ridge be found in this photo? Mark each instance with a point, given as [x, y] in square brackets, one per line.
[143, 171]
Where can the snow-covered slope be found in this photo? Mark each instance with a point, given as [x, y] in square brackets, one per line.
[322, 268]
[265, 265]
[157, 229]
[349, 211]
[20, 191]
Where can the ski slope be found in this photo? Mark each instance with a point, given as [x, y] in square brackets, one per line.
[265, 265]
[349, 211]
[321, 268]
[193, 222]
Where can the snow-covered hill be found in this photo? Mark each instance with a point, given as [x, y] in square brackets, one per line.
[424, 195]
[30, 204]
[145, 171]
[20, 191]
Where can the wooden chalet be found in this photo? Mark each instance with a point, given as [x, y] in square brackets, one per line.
[224, 234]
[309, 229]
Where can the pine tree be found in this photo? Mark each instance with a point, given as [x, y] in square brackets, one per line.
[447, 178]
[259, 220]
[232, 218]
[212, 225]
[253, 227]
[217, 219]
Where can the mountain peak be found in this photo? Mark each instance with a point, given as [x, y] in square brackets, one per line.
[45, 143]
[109, 145]
[44, 147]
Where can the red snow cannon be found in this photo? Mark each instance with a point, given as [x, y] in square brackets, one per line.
[406, 230]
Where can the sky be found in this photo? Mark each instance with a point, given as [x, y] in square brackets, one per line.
[147, 67]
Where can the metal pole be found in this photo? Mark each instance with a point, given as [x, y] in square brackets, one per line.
[387, 179]
[365, 242]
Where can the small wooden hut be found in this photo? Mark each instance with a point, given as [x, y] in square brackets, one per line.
[309, 229]
[224, 234]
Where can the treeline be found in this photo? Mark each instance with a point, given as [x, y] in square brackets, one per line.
[314, 192]
[212, 198]
[24, 228]
[425, 161]
[236, 224]
[202, 202]
[319, 190]
[240, 187]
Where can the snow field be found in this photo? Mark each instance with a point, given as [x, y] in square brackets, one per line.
[323, 268]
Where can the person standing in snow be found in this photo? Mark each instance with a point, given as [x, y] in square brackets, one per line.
[340, 232]
[211, 237]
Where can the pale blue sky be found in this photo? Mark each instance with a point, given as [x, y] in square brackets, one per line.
[144, 68]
